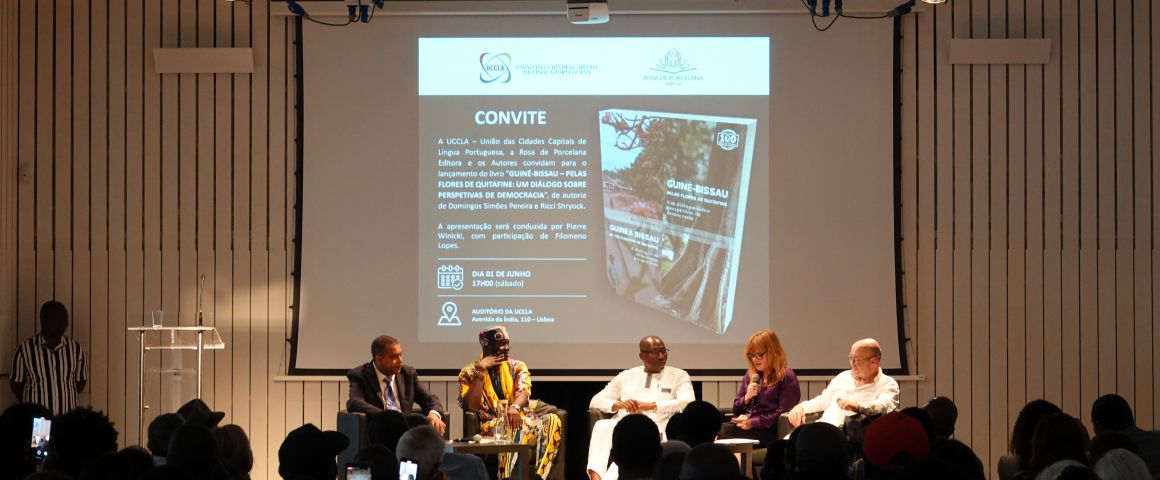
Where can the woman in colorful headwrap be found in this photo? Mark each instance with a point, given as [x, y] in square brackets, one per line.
[498, 385]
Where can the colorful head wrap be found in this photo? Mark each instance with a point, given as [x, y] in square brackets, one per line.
[493, 333]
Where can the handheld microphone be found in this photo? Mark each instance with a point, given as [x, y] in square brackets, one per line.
[752, 380]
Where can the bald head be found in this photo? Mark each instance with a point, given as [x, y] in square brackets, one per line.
[865, 356]
[653, 362]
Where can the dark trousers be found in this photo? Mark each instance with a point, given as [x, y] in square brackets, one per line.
[729, 430]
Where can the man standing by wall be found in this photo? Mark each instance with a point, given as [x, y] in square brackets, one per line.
[50, 368]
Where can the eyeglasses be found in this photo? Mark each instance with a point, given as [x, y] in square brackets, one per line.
[657, 353]
[755, 356]
[855, 360]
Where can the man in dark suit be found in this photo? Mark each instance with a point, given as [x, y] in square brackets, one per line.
[385, 383]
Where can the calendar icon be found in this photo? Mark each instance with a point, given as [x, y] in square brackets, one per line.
[449, 277]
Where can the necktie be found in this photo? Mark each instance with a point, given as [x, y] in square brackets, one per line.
[390, 395]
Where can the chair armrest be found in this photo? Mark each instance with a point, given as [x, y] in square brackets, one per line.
[784, 428]
[595, 415]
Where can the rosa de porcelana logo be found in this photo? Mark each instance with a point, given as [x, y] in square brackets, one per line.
[496, 68]
[672, 63]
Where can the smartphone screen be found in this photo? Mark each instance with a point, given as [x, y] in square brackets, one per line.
[41, 429]
[408, 469]
[358, 471]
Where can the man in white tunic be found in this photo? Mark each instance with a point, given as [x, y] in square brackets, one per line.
[654, 390]
[861, 389]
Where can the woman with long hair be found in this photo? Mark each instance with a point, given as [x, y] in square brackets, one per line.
[759, 404]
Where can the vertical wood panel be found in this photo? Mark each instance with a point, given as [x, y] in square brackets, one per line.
[1033, 199]
[1121, 205]
[1015, 363]
[925, 168]
[1141, 241]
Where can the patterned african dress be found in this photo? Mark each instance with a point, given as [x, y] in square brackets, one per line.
[512, 379]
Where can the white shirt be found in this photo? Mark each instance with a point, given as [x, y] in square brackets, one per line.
[670, 389]
[875, 398]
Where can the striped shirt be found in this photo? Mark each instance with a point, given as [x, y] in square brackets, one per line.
[50, 375]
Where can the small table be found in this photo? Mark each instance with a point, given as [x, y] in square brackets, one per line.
[745, 448]
[522, 451]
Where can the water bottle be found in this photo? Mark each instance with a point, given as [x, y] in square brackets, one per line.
[501, 428]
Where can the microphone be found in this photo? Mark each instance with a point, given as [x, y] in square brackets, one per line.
[752, 380]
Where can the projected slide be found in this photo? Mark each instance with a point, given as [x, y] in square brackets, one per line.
[571, 194]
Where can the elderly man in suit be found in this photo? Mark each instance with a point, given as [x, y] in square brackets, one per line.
[385, 383]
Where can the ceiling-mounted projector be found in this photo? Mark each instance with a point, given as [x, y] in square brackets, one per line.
[587, 12]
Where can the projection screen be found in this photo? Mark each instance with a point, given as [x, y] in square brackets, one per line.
[699, 177]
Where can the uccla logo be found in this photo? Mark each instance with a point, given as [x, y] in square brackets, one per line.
[496, 68]
[673, 63]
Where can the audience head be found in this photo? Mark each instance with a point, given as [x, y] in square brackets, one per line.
[674, 446]
[772, 362]
[636, 445]
[196, 411]
[700, 423]
[166, 472]
[673, 428]
[1024, 429]
[669, 466]
[415, 419]
[161, 430]
[384, 464]
[923, 418]
[81, 435]
[425, 446]
[1057, 437]
[1120, 464]
[1111, 412]
[710, 461]
[774, 466]
[893, 440]
[790, 455]
[193, 448]
[820, 447]
[309, 453]
[129, 463]
[386, 428]
[962, 456]
[1108, 441]
[943, 414]
[47, 475]
[930, 468]
[1067, 470]
[53, 318]
[15, 424]
[234, 451]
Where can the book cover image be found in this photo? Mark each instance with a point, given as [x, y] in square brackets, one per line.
[675, 191]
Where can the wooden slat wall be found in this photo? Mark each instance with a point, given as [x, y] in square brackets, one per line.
[1028, 206]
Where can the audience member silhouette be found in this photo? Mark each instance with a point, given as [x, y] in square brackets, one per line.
[669, 466]
[426, 447]
[160, 431]
[194, 449]
[166, 472]
[15, 426]
[127, 464]
[234, 451]
[1024, 430]
[416, 420]
[773, 468]
[672, 429]
[962, 456]
[1107, 441]
[891, 442]
[1057, 437]
[821, 452]
[384, 464]
[1120, 464]
[930, 469]
[79, 436]
[1112, 412]
[1067, 470]
[923, 418]
[636, 447]
[308, 453]
[709, 461]
[386, 428]
[700, 423]
[943, 413]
